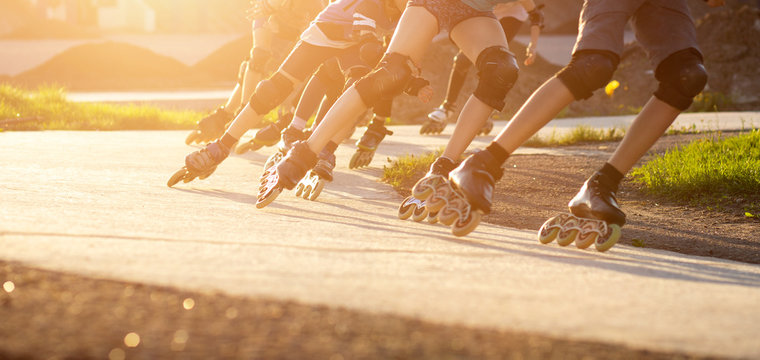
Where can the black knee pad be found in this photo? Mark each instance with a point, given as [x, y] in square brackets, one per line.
[371, 52]
[497, 70]
[682, 76]
[355, 73]
[259, 59]
[241, 71]
[270, 92]
[587, 71]
[391, 78]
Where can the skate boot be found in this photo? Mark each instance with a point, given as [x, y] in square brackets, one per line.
[288, 137]
[267, 136]
[311, 186]
[210, 127]
[286, 173]
[201, 163]
[595, 217]
[366, 146]
[472, 182]
[486, 128]
[429, 194]
[436, 121]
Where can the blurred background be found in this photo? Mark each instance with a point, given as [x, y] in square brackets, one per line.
[97, 46]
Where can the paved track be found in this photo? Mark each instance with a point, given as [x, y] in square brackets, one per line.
[96, 203]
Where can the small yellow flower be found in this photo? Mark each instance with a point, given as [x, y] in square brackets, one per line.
[611, 87]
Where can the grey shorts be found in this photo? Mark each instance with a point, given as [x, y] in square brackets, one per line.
[449, 13]
[662, 27]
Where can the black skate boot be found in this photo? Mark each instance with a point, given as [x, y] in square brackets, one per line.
[595, 217]
[269, 135]
[201, 163]
[596, 200]
[286, 173]
[476, 178]
[325, 166]
[210, 127]
[367, 145]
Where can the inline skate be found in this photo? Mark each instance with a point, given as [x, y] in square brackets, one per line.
[200, 164]
[473, 182]
[594, 218]
[430, 194]
[436, 121]
[286, 173]
[366, 146]
[210, 127]
[269, 135]
[311, 186]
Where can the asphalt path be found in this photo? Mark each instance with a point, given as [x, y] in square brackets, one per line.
[96, 204]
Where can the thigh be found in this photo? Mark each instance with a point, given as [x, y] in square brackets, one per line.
[476, 34]
[305, 58]
[415, 31]
[602, 23]
[663, 27]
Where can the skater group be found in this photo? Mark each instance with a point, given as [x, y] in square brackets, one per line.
[359, 55]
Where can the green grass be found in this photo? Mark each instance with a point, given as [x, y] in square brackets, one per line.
[405, 167]
[54, 112]
[712, 172]
[580, 134]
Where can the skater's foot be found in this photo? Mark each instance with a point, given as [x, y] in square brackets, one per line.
[436, 121]
[206, 159]
[325, 166]
[210, 127]
[596, 200]
[290, 136]
[476, 178]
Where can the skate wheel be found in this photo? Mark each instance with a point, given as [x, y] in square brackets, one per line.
[420, 213]
[263, 201]
[466, 226]
[306, 192]
[565, 238]
[447, 216]
[585, 240]
[352, 164]
[188, 178]
[605, 243]
[407, 207]
[317, 190]
[432, 217]
[436, 205]
[192, 137]
[299, 189]
[176, 177]
[549, 230]
[421, 192]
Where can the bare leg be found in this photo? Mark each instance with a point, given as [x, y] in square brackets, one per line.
[233, 102]
[416, 29]
[649, 125]
[473, 36]
[541, 107]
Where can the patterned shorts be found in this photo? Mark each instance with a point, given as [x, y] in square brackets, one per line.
[449, 13]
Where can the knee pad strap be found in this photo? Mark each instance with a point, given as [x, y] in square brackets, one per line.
[682, 76]
[270, 92]
[391, 78]
[497, 69]
[587, 71]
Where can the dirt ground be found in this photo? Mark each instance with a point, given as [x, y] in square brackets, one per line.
[537, 187]
[50, 315]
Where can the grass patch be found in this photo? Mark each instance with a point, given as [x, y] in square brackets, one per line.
[580, 134]
[48, 109]
[714, 172]
[406, 167]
